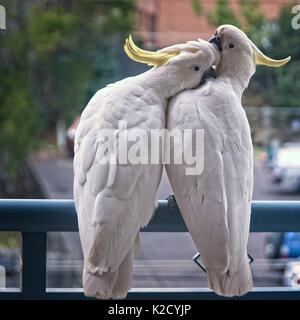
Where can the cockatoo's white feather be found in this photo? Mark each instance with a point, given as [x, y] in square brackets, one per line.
[114, 201]
[110, 212]
[216, 204]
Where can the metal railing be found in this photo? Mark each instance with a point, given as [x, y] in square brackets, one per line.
[34, 218]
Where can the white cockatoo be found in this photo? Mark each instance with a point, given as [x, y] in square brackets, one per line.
[113, 199]
[216, 202]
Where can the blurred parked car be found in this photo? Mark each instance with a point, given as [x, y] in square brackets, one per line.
[282, 246]
[272, 245]
[290, 246]
[70, 136]
[285, 166]
[291, 277]
[9, 260]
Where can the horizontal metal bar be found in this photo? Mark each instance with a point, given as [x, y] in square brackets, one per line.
[10, 294]
[275, 216]
[37, 215]
[258, 293]
[60, 215]
[261, 293]
[276, 293]
[41, 216]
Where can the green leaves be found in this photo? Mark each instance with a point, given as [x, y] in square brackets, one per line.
[197, 7]
[52, 29]
[222, 14]
[281, 87]
[250, 16]
[54, 55]
[18, 123]
[287, 86]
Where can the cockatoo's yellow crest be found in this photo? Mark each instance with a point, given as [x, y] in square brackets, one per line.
[155, 58]
[260, 58]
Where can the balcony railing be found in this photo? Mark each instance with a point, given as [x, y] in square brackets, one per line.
[34, 218]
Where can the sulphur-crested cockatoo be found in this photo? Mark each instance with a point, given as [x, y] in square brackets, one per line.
[215, 200]
[114, 199]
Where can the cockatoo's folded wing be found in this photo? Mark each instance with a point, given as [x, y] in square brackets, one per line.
[216, 203]
[107, 194]
[201, 197]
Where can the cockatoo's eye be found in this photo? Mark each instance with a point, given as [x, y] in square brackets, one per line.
[231, 45]
[196, 68]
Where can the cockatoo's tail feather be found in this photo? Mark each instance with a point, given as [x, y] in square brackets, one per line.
[110, 284]
[229, 285]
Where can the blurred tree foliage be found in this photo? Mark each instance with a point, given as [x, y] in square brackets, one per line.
[222, 14]
[197, 7]
[52, 54]
[282, 85]
[250, 17]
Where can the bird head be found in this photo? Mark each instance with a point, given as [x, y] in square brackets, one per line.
[239, 52]
[185, 63]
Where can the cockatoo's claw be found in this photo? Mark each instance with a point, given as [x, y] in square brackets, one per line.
[251, 259]
[198, 261]
[173, 204]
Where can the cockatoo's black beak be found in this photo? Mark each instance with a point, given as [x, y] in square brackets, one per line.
[217, 41]
[210, 73]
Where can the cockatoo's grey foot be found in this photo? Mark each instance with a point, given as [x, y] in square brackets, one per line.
[197, 260]
[172, 203]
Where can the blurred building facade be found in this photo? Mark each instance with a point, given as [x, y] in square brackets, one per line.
[164, 22]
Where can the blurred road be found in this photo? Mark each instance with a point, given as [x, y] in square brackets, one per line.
[168, 255]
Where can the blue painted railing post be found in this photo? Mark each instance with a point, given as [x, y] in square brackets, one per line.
[33, 277]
